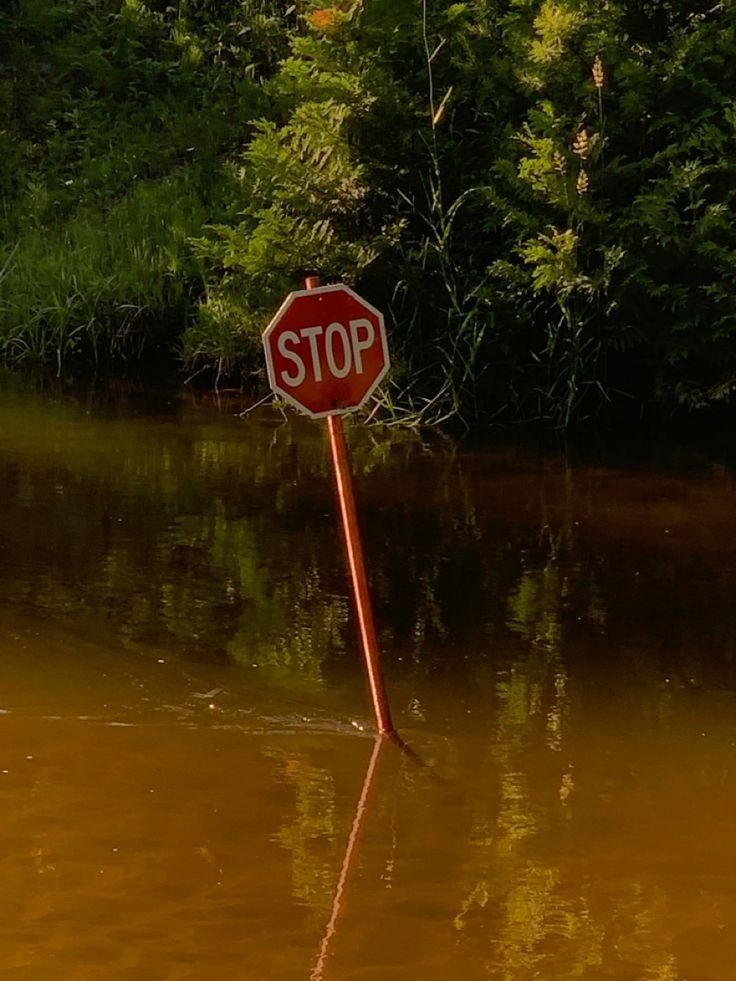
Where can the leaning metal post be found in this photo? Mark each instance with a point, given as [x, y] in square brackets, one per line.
[346, 501]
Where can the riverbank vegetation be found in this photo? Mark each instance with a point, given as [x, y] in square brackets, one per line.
[539, 194]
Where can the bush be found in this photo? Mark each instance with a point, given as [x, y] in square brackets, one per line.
[539, 194]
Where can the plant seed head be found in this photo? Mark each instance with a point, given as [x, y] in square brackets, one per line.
[599, 76]
[581, 143]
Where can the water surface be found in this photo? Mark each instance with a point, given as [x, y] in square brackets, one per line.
[189, 787]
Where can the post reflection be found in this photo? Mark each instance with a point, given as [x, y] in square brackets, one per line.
[318, 972]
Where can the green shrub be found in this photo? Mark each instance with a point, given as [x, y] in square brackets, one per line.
[540, 194]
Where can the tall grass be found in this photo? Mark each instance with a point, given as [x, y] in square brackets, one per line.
[105, 282]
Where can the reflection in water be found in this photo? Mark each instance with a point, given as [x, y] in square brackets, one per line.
[337, 901]
[183, 698]
[312, 824]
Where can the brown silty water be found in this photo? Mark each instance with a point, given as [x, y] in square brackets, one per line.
[189, 787]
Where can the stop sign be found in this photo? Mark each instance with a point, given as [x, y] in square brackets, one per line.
[326, 350]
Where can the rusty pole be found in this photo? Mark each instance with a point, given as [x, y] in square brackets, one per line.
[346, 501]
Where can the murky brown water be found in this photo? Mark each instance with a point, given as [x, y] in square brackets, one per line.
[188, 785]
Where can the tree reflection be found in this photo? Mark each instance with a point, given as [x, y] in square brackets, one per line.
[312, 826]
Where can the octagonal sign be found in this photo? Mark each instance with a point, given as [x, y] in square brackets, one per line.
[326, 350]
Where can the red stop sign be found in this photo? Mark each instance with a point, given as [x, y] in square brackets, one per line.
[326, 350]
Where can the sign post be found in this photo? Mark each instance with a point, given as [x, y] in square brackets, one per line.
[326, 352]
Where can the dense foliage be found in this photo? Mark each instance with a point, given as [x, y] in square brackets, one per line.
[540, 194]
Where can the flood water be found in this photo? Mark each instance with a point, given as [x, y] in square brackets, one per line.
[189, 785]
